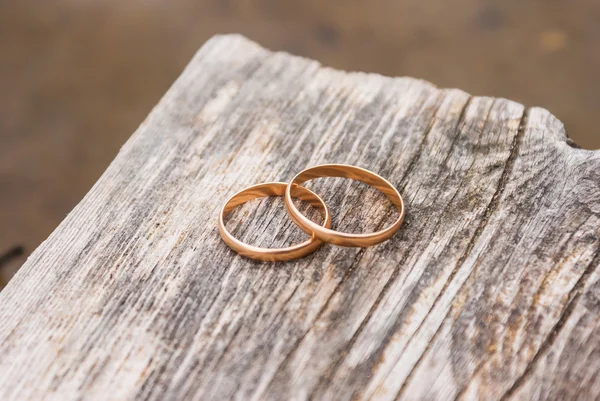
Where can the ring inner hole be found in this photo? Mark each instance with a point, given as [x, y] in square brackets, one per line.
[356, 208]
[264, 222]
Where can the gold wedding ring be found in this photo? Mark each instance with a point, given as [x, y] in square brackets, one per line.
[319, 233]
[272, 254]
[325, 234]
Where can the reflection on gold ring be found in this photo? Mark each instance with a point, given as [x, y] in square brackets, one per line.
[274, 254]
[325, 234]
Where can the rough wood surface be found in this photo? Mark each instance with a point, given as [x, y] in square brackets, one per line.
[490, 290]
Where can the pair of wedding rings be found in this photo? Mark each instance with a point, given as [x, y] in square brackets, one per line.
[319, 233]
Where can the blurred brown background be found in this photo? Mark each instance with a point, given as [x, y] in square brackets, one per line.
[77, 76]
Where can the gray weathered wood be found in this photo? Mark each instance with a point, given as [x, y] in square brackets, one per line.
[490, 290]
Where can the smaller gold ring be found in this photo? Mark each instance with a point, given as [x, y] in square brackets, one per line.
[336, 237]
[272, 254]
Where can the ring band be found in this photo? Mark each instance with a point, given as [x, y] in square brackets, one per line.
[340, 238]
[272, 254]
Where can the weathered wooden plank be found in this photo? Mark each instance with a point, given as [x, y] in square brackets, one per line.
[490, 290]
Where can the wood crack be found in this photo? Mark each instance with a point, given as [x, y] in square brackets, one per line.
[359, 255]
[337, 361]
[573, 297]
[417, 156]
[489, 210]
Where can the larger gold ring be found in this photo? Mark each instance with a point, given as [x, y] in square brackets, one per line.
[272, 254]
[335, 237]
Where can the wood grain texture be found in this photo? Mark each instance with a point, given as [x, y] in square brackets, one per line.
[490, 290]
